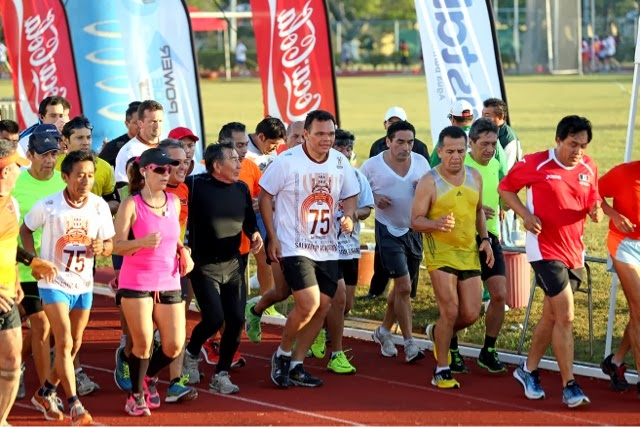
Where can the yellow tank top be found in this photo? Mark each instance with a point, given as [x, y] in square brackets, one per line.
[8, 248]
[457, 248]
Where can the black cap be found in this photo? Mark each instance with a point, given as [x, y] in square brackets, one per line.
[44, 138]
[155, 156]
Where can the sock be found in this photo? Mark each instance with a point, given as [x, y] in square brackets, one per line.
[46, 389]
[253, 311]
[408, 341]
[281, 352]
[293, 364]
[123, 356]
[77, 371]
[454, 343]
[441, 368]
[570, 383]
[335, 353]
[490, 342]
[73, 399]
[138, 369]
[384, 330]
[173, 381]
[159, 360]
[524, 368]
[618, 364]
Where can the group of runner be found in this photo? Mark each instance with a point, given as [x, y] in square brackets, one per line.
[291, 197]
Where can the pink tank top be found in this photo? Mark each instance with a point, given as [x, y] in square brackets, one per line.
[153, 269]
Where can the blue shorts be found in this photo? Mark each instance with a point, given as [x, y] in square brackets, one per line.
[80, 302]
[628, 252]
[261, 228]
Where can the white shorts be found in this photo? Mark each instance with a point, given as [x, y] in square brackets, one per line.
[628, 251]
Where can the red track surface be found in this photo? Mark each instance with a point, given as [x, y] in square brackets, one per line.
[383, 392]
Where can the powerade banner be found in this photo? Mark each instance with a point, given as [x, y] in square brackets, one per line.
[127, 50]
[461, 56]
[294, 58]
[37, 38]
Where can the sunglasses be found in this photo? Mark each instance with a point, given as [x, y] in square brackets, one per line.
[160, 170]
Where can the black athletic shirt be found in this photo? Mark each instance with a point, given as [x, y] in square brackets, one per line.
[110, 151]
[218, 213]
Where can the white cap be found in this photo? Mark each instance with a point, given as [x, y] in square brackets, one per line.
[395, 112]
[462, 108]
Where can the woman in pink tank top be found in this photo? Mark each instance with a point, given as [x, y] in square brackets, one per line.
[149, 281]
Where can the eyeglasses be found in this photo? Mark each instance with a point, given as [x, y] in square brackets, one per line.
[160, 170]
[79, 122]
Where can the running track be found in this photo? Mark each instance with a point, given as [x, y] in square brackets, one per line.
[383, 392]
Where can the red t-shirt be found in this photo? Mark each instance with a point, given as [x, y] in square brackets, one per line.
[561, 197]
[622, 183]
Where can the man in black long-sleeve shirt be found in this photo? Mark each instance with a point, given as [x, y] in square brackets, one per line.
[220, 208]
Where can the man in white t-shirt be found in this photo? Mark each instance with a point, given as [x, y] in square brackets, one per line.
[241, 58]
[76, 226]
[304, 184]
[393, 175]
[189, 140]
[150, 117]
[263, 144]
[53, 110]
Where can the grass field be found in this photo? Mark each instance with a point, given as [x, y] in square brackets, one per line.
[536, 105]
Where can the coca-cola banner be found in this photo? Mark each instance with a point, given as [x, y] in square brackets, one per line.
[37, 38]
[294, 57]
[461, 56]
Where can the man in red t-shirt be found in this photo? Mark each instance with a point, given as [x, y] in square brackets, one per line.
[562, 189]
[623, 243]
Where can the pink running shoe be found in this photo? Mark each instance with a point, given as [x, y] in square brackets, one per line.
[136, 406]
[151, 395]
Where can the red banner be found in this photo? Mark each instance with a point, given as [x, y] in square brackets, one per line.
[37, 37]
[294, 58]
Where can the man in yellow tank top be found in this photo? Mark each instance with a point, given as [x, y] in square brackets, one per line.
[448, 209]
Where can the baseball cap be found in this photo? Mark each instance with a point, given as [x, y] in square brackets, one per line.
[14, 157]
[182, 132]
[462, 108]
[395, 112]
[44, 138]
[155, 156]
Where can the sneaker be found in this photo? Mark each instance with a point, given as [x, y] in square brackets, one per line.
[489, 360]
[273, 312]
[252, 326]
[530, 382]
[387, 347]
[319, 347]
[280, 370]
[221, 383]
[443, 379]
[84, 384]
[457, 364]
[616, 374]
[302, 378]
[121, 374]
[79, 416]
[48, 405]
[179, 391]
[22, 392]
[412, 353]
[151, 395]
[429, 331]
[211, 352]
[340, 364]
[190, 368]
[136, 406]
[573, 396]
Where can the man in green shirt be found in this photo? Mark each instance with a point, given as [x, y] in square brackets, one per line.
[33, 184]
[483, 137]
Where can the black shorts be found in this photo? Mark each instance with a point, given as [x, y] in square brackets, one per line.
[399, 255]
[461, 274]
[162, 297]
[348, 270]
[31, 304]
[553, 276]
[301, 273]
[11, 319]
[499, 267]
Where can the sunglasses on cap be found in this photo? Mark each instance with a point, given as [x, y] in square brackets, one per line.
[160, 170]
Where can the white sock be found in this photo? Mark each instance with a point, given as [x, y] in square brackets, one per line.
[385, 331]
[281, 352]
[77, 371]
[408, 341]
[441, 368]
[293, 364]
[524, 368]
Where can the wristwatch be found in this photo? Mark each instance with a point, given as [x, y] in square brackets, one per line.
[488, 239]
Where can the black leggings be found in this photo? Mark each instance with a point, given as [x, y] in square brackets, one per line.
[222, 296]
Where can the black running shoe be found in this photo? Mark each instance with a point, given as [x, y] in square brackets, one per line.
[280, 370]
[302, 378]
[457, 365]
[616, 374]
[489, 360]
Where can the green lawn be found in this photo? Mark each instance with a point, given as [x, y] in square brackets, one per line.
[536, 102]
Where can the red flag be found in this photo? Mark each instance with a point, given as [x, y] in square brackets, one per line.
[40, 54]
[294, 58]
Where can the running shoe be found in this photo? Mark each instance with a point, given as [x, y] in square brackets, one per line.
[430, 331]
[136, 406]
[319, 347]
[252, 325]
[179, 391]
[530, 382]
[273, 312]
[457, 364]
[190, 368]
[121, 374]
[489, 360]
[412, 352]
[617, 379]
[48, 405]
[84, 384]
[387, 347]
[302, 378]
[443, 379]
[573, 396]
[79, 416]
[151, 395]
[221, 383]
[280, 370]
[211, 352]
[340, 364]
[22, 392]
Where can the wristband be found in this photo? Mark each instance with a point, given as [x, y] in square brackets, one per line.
[24, 257]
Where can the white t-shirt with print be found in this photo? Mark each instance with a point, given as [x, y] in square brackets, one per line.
[399, 189]
[307, 199]
[349, 243]
[66, 237]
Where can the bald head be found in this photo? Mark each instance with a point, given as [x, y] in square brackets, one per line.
[295, 134]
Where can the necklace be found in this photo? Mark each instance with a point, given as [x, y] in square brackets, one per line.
[165, 212]
[78, 204]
